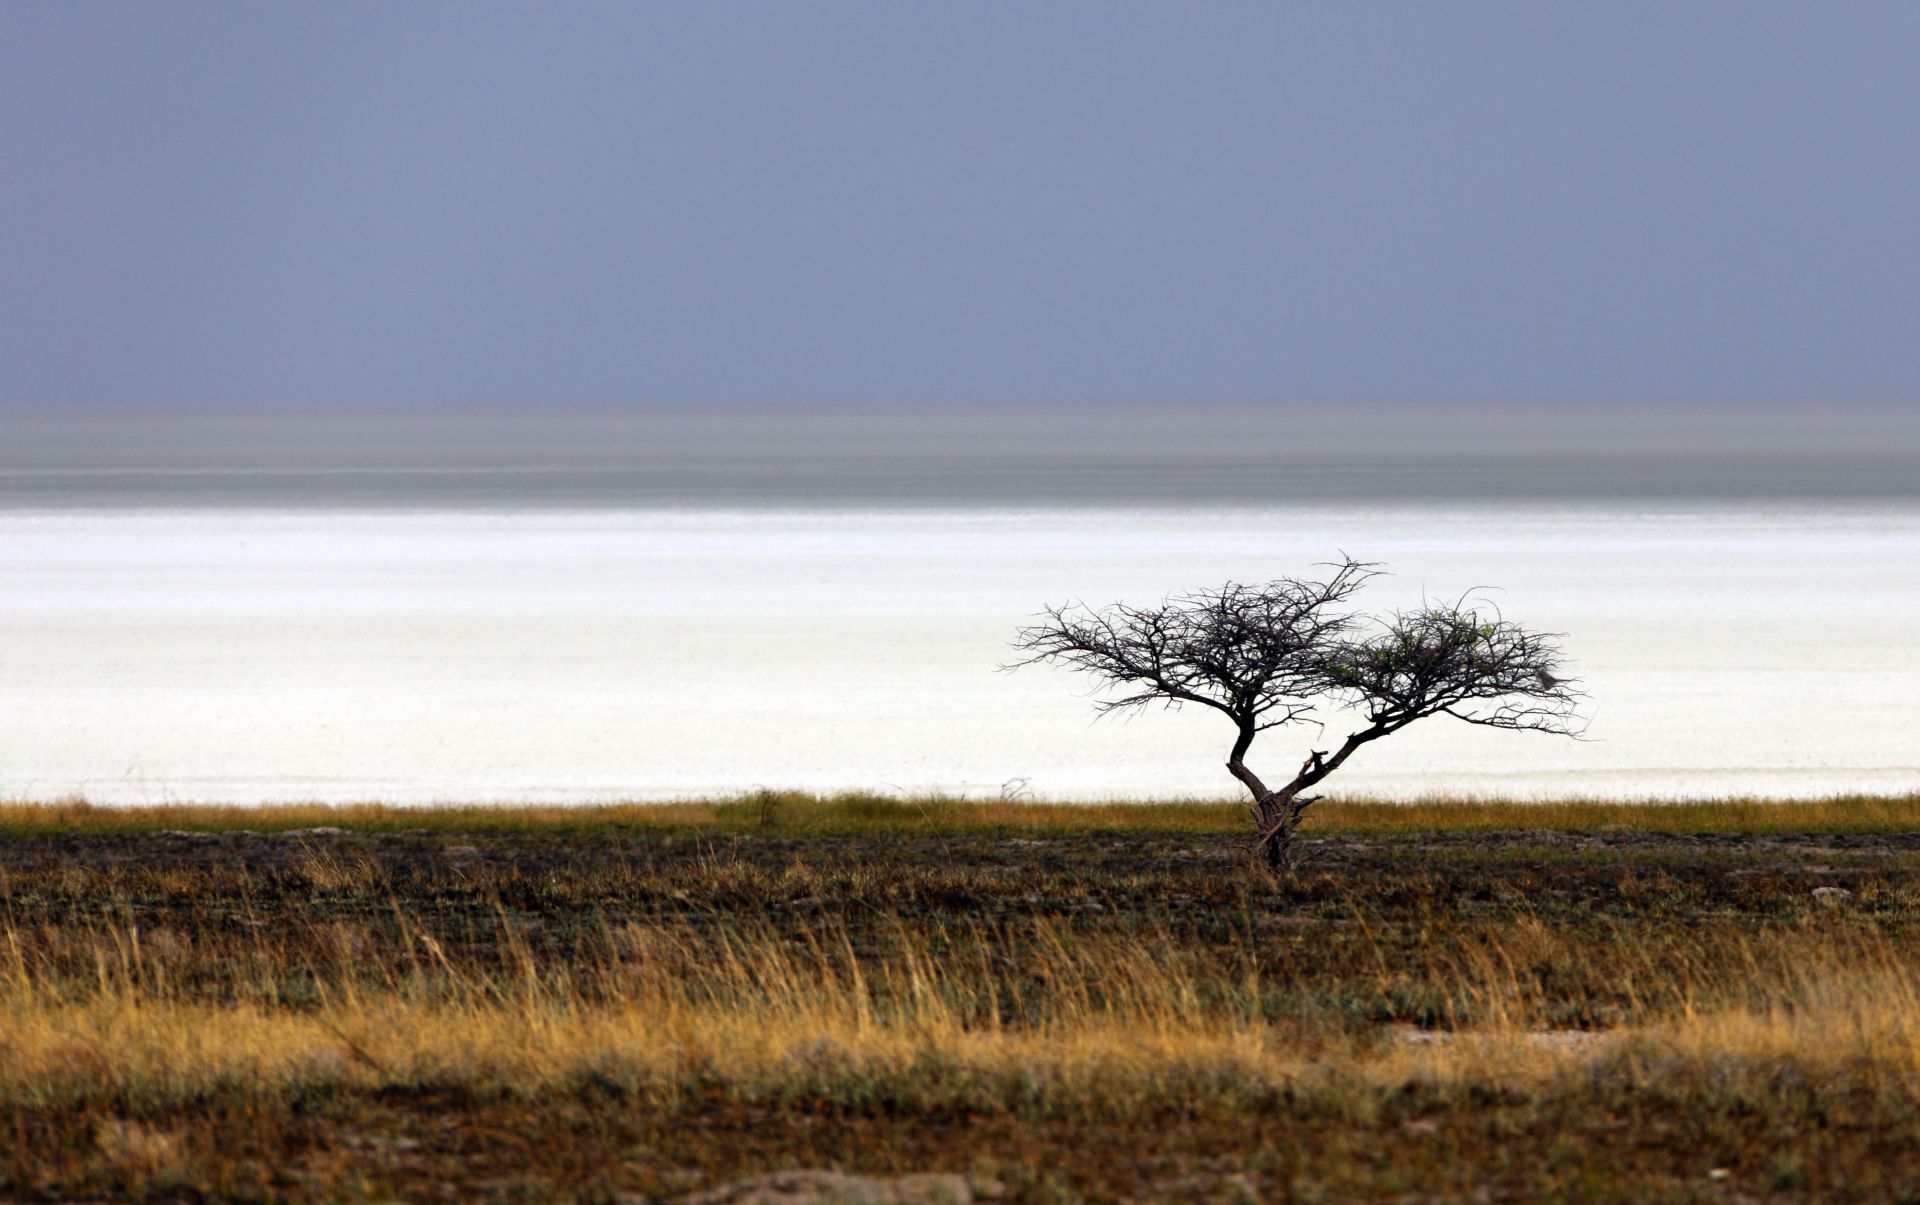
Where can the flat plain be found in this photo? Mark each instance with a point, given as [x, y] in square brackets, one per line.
[996, 1001]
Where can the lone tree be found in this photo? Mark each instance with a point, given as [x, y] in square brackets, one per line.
[1267, 656]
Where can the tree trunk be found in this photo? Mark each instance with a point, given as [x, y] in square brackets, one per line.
[1279, 817]
[1278, 812]
[1273, 811]
[1276, 847]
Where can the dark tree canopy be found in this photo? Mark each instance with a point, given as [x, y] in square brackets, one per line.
[1271, 655]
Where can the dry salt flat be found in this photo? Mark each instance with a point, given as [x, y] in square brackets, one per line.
[255, 654]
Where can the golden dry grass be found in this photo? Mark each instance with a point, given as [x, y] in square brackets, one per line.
[534, 1006]
[796, 813]
[1031, 1018]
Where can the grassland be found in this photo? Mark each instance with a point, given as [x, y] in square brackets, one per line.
[1465, 1001]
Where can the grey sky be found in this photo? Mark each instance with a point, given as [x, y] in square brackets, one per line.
[601, 205]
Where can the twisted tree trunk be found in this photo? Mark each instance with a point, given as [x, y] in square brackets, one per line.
[1276, 814]
[1279, 817]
